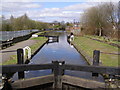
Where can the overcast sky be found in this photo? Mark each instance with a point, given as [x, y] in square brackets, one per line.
[48, 10]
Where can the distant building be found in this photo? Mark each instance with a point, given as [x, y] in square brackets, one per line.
[75, 28]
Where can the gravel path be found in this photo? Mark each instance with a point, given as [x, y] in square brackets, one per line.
[6, 53]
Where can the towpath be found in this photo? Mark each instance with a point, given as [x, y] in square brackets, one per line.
[6, 53]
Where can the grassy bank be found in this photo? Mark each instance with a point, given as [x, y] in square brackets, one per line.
[39, 42]
[88, 46]
[110, 40]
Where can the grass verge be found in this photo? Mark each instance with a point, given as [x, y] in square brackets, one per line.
[39, 43]
[115, 41]
[88, 46]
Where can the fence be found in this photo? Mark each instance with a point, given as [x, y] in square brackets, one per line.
[58, 70]
[59, 67]
[15, 40]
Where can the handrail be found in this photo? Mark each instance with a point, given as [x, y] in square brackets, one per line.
[58, 68]
[93, 69]
[86, 68]
[24, 67]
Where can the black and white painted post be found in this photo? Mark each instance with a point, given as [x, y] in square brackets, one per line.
[20, 60]
[96, 57]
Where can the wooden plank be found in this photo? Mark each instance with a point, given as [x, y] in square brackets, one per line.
[86, 68]
[96, 57]
[58, 72]
[19, 84]
[20, 60]
[94, 69]
[25, 67]
[80, 82]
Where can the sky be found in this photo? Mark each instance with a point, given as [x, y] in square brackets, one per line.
[48, 10]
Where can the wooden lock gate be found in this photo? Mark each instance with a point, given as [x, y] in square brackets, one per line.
[57, 78]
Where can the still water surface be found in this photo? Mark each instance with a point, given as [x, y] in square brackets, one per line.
[61, 51]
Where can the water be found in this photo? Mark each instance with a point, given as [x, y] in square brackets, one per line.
[61, 51]
[5, 35]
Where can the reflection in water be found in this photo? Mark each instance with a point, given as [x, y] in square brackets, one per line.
[53, 39]
[60, 51]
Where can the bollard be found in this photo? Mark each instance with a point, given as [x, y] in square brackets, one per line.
[20, 60]
[96, 56]
[29, 52]
[58, 72]
[28, 55]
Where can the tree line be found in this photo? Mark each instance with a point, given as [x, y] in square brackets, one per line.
[21, 23]
[102, 20]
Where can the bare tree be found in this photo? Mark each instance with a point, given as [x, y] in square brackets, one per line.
[100, 17]
[119, 15]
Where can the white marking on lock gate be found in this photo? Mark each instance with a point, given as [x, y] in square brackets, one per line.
[29, 51]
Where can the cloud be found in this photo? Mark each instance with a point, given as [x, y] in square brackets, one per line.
[13, 7]
[38, 12]
[20, 0]
[60, 0]
[54, 12]
[34, 12]
[102, 0]
[59, 16]
[43, 0]
[67, 12]
[50, 10]
[80, 6]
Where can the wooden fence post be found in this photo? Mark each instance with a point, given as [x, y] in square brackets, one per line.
[58, 72]
[96, 57]
[20, 60]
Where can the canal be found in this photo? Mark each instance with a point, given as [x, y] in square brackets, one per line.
[60, 51]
